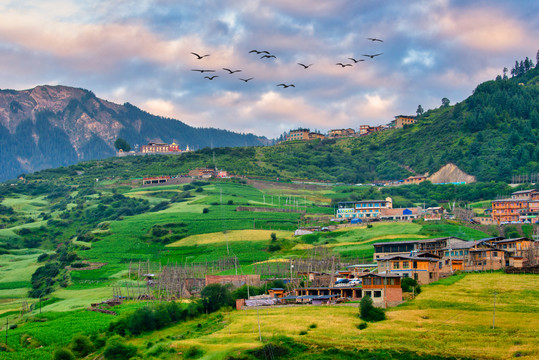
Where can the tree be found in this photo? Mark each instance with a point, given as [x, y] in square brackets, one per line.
[63, 354]
[419, 110]
[368, 312]
[215, 296]
[537, 59]
[505, 73]
[121, 144]
[445, 102]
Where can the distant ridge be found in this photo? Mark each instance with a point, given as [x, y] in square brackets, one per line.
[51, 126]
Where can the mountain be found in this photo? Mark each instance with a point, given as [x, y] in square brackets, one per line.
[51, 126]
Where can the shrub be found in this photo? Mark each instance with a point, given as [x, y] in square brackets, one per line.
[117, 350]
[193, 352]
[215, 296]
[205, 210]
[303, 332]
[368, 312]
[362, 325]
[81, 345]
[273, 237]
[230, 202]
[313, 326]
[410, 285]
[63, 354]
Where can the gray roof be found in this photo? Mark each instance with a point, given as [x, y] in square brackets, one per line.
[408, 258]
[510, 240]
[420, 241]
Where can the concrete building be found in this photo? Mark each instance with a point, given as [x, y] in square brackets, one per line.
[362, 209]
[402, 120]
[400, 214]
[424, 269]
[298, 134]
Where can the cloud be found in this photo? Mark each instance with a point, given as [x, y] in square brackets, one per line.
[424, 58]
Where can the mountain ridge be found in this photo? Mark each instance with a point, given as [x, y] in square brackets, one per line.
[49, 126]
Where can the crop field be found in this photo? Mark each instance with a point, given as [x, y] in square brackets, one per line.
[440, 321]
[230, 236]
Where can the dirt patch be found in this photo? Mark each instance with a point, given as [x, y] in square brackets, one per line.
[450, 173]
[91, 266]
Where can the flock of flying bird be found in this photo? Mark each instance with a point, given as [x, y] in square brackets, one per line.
[268, 55]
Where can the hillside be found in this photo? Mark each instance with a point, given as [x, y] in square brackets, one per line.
[51, 126]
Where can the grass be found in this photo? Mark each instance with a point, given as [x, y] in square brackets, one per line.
[230, 236]
[453, 320]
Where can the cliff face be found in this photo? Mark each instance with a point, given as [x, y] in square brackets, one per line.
[51, 126]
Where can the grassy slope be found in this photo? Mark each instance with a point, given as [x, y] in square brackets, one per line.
[453, 320]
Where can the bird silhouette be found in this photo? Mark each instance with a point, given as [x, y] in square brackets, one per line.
[372, 56]
[246, 79]
[304, 66]
[231, 71]
[211, 77]
[268, 56]
[356, 61]
[198, 56]
[343, 65]
[203, 71]
[286, 86]
[259, 52]
[374, 39]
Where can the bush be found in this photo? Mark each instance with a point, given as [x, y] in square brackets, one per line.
[205, 210]
[81, 345]
[117, 350]
[362, 325]
[303, 332]
[215, 296]
[63, 354]
[410, 285]
[193, 352]
[368, 312]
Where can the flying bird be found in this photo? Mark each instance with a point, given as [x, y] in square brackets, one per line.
[356, 61]
[343, 65]
[231, 71]
[372, 56]
[268, 56]
[211, 77]
[374, 39]
[198, 56]
[286, 86]
[246, 79]
[203, 71]
[304, 66]
[259, 52]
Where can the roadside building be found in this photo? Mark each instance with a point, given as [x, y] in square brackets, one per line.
[523, 206]
[432, 246]
[316, 135]
[362, 209]
[337, 133]
[415, 179]
[155, 180]
[160, 148]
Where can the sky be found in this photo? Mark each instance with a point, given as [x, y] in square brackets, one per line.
[140, 52]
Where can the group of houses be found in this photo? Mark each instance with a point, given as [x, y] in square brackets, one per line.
[369, 210]
[306, 134]
[154, 148]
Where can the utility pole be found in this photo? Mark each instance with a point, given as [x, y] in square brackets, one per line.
[7, 327]
[493, 311]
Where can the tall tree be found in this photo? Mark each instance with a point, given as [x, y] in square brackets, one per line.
[504, 73]
[445, 102]
[121, 144]
[419, 110]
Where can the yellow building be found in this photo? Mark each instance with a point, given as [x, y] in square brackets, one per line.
[298, 134]
[402, 120]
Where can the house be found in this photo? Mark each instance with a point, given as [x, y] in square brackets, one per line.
[336, 133]
[477, 255]
[402, 214]
[362, 209]
[385, 290]
[155, 180]
[520, 251]
[316, 135]
[207, 173]
[298, 134]
[401, 120]
[432, 246]
[415, 179]
[424, 269]
[433, 213]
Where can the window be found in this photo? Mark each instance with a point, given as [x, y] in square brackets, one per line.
[377, 294]
[396, 265]
[377, 281]
[405, 265]
[495, 253]
[415, 264]
[415, 276]
[440, 265]
[367, 281]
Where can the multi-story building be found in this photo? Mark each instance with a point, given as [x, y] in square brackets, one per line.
[362, 209]
[522, 206]
[411, 247]
[298, 134]
[161, 148]
[402, 120]
[424, 269]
